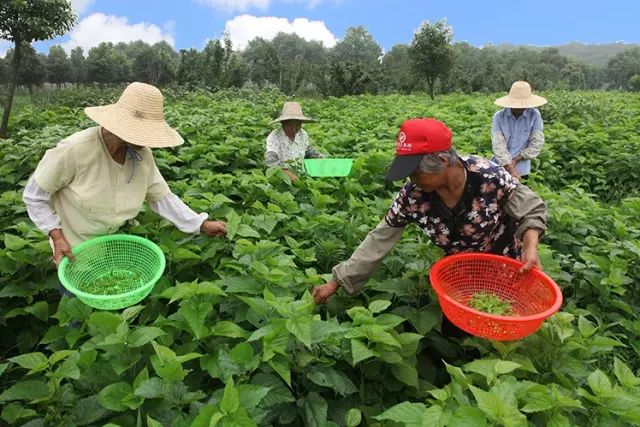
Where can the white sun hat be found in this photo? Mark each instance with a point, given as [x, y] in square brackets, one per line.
[137, 117]
[520, 96]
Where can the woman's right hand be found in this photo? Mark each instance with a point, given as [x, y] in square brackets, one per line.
[60, 246]
[291, 175]
[322, 293]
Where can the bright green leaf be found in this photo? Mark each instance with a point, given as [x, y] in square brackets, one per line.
[33, 361]
[405, 373]
[230, 400]
[26, 390]
[468, 416]
[300, 327]
[143, 335]
[336, 380]
[353, 417]
[379, 306]
[14, 243]
[408, 413]
[360, 351]
[111, 396]
[624, 374]
[315, 409]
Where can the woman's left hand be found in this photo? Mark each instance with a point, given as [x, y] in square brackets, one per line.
[214, 228]
[530, 256]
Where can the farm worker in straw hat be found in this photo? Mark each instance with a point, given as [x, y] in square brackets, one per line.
[516, 132]
[289, 143]
[463, 204]
[95, 180]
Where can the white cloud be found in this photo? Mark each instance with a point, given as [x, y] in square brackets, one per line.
[4, 47]
[80, 6]
[98, 27]
[244, 28]
[235, 5]
[244, 5]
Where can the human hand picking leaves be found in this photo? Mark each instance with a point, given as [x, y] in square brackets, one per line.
[530, 256]
[214, 228]
[322, 293]
[291, 175]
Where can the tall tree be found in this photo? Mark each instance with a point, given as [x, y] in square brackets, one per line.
[260, 57]
[634, 83]
[355, 63]
[58, 66]
[396, 72]
[297, 61]
[156, 64]
[623, 66]
[288, 61]
[106, 64]
[236, 71]
[33, 67]
[3, 72]
[78, 66]
[25, 21]
[431, 52]
[188, 68]
[212, 63]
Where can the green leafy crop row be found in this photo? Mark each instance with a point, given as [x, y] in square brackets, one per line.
[230, 335]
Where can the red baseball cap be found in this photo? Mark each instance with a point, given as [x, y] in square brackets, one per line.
[416, 138]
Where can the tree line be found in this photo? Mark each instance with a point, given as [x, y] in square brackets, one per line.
[355, 65]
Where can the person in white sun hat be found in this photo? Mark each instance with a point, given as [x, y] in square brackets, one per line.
[517, 130]
[95, 180]
[289, 143]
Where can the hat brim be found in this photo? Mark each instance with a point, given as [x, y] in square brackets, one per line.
[137, 131]
[298, 118]
[531, 101]
[403, 166]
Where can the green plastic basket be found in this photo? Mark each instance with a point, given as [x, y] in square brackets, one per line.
[112, 272]
[328, 167]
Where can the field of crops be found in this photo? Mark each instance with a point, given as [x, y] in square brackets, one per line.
[230, 335]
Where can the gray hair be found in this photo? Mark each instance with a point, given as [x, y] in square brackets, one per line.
[432, 162]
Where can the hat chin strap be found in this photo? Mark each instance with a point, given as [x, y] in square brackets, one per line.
[134, 156]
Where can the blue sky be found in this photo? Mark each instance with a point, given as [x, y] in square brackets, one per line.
[190, 23]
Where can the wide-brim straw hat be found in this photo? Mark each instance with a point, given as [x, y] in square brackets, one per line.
[520, 96]
[137, 117]
[292, 111]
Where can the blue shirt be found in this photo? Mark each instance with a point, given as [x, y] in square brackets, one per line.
[517, 133]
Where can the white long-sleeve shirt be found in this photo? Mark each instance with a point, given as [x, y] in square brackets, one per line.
[170, 207]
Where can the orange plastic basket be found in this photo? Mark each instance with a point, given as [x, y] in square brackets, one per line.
[534, 296]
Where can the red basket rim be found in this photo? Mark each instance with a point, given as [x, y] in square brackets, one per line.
[443, 262]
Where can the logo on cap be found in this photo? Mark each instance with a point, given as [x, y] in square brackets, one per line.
[401, 143]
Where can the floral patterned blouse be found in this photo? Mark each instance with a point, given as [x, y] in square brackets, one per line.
[478, 223]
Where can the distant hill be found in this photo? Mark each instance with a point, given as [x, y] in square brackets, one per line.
[596, 54]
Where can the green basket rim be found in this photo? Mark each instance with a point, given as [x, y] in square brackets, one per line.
[320, 160]
[111, 237]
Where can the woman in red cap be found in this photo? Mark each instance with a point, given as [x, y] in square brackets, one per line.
[463, 204]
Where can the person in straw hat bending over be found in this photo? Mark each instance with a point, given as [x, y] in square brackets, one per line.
[95, 180]
[516, 133]
[290, 143]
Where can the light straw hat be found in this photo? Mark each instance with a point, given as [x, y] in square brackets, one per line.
[292, 111]
[137, 117]
[520, 96]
